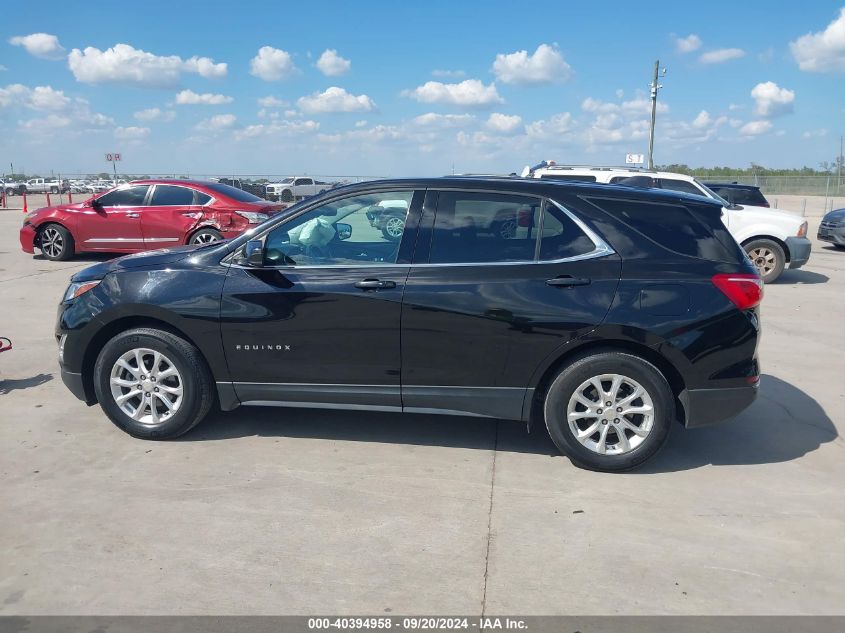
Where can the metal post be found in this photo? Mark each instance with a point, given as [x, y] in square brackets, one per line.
[839, 167]
[654, 88]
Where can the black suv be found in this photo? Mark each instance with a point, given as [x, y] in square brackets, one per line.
[607, 313]
[738, 193]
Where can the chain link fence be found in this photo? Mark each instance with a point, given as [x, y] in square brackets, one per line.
[824, 185]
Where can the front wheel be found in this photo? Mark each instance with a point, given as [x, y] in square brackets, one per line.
[205, 236]
[56, 242]
[768, 257]
[609, 411]
[287, 196]
[394, 227]
[153, 384]
[54, 190]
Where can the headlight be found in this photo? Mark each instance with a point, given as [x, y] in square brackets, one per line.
[253, 217]
[78, 288]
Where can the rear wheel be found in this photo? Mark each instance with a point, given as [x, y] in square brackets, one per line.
[609, 411]
[56, 242]
[768, 257]
[205, 236]
[394, 227]
[287, 195]
[153, 384]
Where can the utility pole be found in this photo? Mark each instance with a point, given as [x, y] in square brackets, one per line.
[839, 167]
[654, 88]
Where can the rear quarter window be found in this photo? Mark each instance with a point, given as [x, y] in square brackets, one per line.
[674, 227]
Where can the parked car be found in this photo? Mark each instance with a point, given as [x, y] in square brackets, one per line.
[832, 228]
[738, 193]
[44, 185]
[10, 187]
[143, 215]
[296, 188]
[773, 239]
[609, 314]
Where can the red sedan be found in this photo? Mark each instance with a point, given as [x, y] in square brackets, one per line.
[144, 215]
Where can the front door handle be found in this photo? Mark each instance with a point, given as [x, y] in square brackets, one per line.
[133, 215]
[567, 281]
[374, 284]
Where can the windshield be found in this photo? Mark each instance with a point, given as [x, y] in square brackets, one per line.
[233, 193]
[286, 181]
[713, 194]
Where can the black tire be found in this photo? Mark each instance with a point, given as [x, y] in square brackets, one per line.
[768, 257]
[56, 242]
[393, 226]
[205, 236]
[287, 195]
[54, 190]
[193, 374]
[633, 368]
[10, 191]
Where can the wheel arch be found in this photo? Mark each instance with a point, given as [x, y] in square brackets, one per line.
[569, 355]
[210, 225]
[772, 238]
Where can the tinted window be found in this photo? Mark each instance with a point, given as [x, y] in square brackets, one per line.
[362, 229]
[568, 177]
[231, 192]
[202, 198]
[562, 237]
[171, 196]
[672, 226]
[750, 196]
[483, 227]
[680, 185]
[124, 197]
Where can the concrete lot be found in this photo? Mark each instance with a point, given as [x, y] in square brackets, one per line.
[278, 511]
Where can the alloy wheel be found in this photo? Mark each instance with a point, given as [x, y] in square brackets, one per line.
[205, 238]
[146, 386]
[764, 259]
[394, 226]
[52, 242]
[610, 414]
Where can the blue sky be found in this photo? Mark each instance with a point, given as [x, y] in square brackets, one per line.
[391, 88]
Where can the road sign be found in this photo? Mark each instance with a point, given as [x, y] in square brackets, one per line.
[112, 158]
[634, 159]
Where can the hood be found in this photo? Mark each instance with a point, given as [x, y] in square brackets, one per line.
[773, 214]
[837, 215]
[146, 259]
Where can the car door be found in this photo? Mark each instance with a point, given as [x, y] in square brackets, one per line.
[483, 308]
[319, 321]
[171, 213]
[112, 222]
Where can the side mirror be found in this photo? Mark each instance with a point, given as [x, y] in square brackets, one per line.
[95, 203]
[344, 231]
[254, 252]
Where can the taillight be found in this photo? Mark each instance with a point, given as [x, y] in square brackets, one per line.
[744, 290]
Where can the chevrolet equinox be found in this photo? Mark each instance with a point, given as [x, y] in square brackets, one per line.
[606, 312]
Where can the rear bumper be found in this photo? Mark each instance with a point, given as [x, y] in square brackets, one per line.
[27, 237]
[799, 251]
[704, 407]
[834, 236]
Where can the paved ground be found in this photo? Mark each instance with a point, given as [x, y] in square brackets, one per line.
[286, 511]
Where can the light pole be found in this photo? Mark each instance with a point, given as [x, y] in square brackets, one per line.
[654, 88]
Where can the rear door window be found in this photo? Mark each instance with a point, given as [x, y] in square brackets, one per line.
[680, 185]
[562, 237]
[172, 196]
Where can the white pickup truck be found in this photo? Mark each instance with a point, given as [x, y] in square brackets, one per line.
[773, 239]
[296, 188]
[43, 185]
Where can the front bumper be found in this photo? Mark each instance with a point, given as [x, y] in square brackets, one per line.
[27, 237]
[704, 407]
[834, 235]
[74, 383]
[799, 251]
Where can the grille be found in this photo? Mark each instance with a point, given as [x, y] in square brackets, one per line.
[829, 225]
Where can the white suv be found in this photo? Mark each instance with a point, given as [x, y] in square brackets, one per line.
[773, 239]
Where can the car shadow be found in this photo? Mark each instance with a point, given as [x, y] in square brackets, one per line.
[83, 257]
[830, 247]
[15, 384]
[783, 424]
[799, 276]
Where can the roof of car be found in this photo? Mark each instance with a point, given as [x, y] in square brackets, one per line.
[730, 185]
[174, 181]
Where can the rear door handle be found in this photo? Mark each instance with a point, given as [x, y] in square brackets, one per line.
[374, 284]
[133, 215]
[566, 281]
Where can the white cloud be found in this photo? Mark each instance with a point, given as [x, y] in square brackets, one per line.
[272, 102]
[189, 97]
[771, 100]
[721, 55]
[277, 128]
[335, 99]
[333, 65]
[124, 64]
[687, 44]
[155, 114]
[131, 133]
[470, 92]
[755, 128]
[448, 74]
[637, 105]
[361, 123]
[702, 128]
[433, 119]
[820, 133]
[41, 45]
[702, 120]
[217, 122]
[272, 64]
[735, 106]
[546, 65]
[46, 124]
[39, 98]
[824, 51]
[504, 123]
[555, 126]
